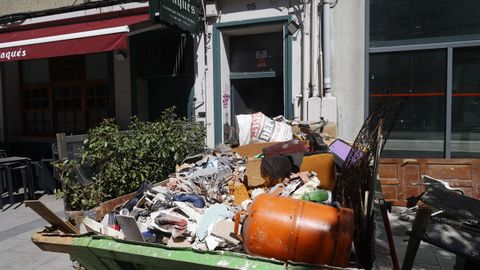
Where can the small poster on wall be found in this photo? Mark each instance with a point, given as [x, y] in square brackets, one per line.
[261, 59]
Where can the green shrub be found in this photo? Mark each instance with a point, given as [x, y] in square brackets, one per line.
[120, 162]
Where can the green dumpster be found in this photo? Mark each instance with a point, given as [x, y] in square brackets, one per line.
[102, 253]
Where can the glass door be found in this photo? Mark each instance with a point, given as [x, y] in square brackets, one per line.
[466, 102]
[421, 76]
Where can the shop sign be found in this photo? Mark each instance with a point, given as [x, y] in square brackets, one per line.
[180, 13]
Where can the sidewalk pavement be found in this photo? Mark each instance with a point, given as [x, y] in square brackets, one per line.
[428, 256]
[18, 223]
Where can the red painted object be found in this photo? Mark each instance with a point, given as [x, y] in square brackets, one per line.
[294, 230]
[69, 39]
[285, 148]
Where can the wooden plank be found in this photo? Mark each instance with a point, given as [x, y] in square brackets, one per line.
[61, 244]
[50, 217]
[388, 171]
[461, 173]
[475, 178]
[254, 176]
[250, 150]
[422, 218]
[75, 138]
[391, 192]
[110, 205]
[385, 256]
[450, 171]
[324, 166]
[62, 146]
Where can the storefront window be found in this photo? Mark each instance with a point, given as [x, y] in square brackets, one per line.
[466, 102]
[61, 98]
[419, 129]
[163, 72]
[416, 19]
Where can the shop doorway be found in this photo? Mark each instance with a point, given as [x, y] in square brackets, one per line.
[162, 71]
[252, 70]
[256, 73]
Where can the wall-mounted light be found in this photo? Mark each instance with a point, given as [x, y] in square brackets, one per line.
[292, 27]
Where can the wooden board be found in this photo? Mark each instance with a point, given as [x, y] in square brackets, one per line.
[61, 244]
[50, 217]
[324, 166]
[401, 178]
[254, 176]
[252, 149]
[110, 205]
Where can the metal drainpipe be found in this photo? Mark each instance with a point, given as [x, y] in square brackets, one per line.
[327, 80]
[305, 90]
[313, 48]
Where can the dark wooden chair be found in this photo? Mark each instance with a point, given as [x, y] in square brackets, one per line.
[455, 229]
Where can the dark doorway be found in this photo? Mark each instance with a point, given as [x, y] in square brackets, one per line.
[258, 95]
[163, 75]
[256, 73]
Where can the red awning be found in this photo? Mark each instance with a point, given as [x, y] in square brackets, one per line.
[77, 38]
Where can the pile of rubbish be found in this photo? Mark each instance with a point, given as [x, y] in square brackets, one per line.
[263, 198]
[270, 197]
[196, 205]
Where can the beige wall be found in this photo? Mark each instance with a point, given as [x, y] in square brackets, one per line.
[348, 65]
[19, 6]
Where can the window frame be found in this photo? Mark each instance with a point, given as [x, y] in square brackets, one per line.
[446, 43]
[52, 109]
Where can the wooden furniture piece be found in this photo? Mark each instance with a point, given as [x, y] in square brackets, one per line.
[50, 217]
[401, 177]
[456, 230]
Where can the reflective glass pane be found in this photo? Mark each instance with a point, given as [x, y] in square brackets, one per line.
[410, 19]
[466, 103]
[419, 129]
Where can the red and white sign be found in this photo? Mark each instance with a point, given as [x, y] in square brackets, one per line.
[261, 59]
[77, 38]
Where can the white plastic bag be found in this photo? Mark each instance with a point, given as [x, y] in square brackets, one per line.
[257, 127]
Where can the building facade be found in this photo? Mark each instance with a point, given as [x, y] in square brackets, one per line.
[429, 52]
[249, 56]
[253, 62]
[300, 59]
[80, 64]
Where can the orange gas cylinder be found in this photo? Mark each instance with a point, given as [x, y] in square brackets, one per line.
[294, 230]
